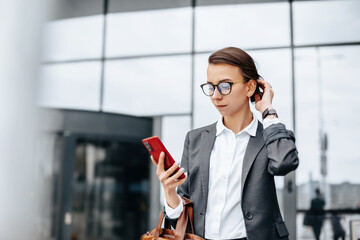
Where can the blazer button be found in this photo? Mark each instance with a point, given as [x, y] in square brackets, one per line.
[249, 215]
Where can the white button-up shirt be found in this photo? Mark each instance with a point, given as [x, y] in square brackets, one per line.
[224, 217]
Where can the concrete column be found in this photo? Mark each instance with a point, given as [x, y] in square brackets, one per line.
[155, 207]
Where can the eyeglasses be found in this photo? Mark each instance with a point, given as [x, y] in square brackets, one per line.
[224, 88]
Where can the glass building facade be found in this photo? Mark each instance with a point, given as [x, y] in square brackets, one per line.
[146, 59]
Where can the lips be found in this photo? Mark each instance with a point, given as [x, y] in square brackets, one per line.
[221, 106]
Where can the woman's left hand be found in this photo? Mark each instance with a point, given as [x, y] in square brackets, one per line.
[266, 100]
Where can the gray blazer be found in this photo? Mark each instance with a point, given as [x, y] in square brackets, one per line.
[271, 152]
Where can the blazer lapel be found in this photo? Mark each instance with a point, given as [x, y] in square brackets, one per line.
[253, 148]
[206, 145]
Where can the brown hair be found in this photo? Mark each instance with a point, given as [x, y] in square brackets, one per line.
[239, 58]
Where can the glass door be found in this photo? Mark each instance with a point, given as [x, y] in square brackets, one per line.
[110, 190]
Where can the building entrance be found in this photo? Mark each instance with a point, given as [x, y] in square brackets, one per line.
[103, 182]
[110, 190]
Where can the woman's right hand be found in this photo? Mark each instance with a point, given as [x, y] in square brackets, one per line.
[169, 182]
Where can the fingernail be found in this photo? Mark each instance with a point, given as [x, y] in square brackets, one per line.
[182, 169]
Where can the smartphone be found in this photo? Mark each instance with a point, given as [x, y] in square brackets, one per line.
[155, 147]
[259, 91]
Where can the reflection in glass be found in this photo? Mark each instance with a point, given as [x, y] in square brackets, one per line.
[148, 86]
[339, 97]
[70, 86]
[326, 103]
[243, 25]
[326, 21]
[75, 38]
[149, 32]
[110, 198]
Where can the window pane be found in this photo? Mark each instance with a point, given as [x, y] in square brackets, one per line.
[116, 6]
[204, 111]
[72, 86]
[273, 65]
[243, 25]
[149, 32]
[326, 21]
[326, 102]
[174, 130]
[76, 38]
[76, 8]
[109, 190]
[334, 82]
[148, 86]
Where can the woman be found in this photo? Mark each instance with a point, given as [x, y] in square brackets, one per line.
[231, 164]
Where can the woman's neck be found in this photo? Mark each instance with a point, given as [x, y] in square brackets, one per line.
[239, 121]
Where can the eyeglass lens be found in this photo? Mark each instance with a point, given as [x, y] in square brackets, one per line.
[224, 88]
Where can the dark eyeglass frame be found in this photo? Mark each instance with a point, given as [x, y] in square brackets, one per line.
[218, 88]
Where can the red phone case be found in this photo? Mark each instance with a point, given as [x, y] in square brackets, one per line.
[155, 147]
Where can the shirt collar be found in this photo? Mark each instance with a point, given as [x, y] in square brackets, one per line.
[250, 129]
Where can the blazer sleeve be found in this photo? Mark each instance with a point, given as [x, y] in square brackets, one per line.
[282, 152]
[183, 189]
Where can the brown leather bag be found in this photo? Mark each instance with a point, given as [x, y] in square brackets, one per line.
[180, 231]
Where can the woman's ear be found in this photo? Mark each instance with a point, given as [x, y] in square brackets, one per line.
[251, 84]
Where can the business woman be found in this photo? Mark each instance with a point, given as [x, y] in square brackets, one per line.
[231, 164]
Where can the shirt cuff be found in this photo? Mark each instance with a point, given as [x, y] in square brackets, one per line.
[270, 121]
[174, 213]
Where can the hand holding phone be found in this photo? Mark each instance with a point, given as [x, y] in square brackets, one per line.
[155, 147]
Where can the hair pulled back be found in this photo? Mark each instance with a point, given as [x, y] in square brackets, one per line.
[239, 58]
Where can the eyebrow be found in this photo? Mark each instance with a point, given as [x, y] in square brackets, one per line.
[223, 80]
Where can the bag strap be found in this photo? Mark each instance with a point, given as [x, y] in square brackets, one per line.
[189, 205]
[181, 225]
[158, 227]
[187, 214]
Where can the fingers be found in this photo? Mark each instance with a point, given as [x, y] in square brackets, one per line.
[164, 175]
[160, 168]
[174, 182]
[267, 96]
[172, 169]
[179, 182]
[161, 172]
[262, 82]
[257, 97]
[153, 160]
[177, 174]
[265, 85]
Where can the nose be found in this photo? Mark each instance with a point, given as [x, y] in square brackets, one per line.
[217, 95]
